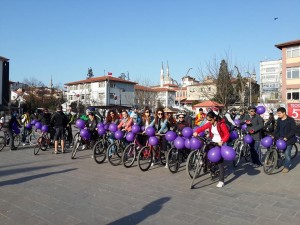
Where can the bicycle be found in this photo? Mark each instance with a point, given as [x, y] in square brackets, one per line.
[197, 160]
[115, 151]
[241, 148]
[77, 142]
[43, 143]
[5, 139]
[130, 153]
[150, 153]
[100, 149]
[275, 158]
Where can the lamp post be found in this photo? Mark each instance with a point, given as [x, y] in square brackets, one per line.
[250, 91]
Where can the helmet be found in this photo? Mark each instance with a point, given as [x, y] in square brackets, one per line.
[181, 113]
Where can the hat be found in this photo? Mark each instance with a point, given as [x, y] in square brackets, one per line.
[181, 113]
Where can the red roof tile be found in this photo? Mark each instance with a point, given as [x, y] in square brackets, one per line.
[98, 79]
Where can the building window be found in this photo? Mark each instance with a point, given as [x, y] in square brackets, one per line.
[293, 94]
[293, 52]
[112, 85]
[289, 96]
[293, 73]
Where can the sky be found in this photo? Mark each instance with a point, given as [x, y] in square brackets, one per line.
[63, 38]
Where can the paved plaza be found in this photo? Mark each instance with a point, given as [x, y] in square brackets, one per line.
[53, 189]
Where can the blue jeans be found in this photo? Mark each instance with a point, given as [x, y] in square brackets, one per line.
[255, 152]
[287, 154]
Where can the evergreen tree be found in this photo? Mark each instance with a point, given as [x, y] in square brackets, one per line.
[225, 91]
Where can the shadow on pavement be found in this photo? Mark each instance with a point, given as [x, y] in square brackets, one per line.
[28, 178]
[26, 169]
[240, 170]
[137, 217]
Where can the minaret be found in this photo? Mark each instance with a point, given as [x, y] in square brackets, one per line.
[51, 84]
[168, 73]
[162, 75]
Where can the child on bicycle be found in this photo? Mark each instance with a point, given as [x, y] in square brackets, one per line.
[219, 133]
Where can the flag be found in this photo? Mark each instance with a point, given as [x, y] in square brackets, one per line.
[109, 73]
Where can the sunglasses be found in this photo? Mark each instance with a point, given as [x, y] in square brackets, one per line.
[159, 113]
[181, 117]
[209, 119]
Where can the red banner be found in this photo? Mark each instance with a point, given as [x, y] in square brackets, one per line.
[294, 110]
[109, 73]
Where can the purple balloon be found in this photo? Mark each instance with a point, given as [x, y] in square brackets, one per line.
[106, 126]
[237, 122]
[44, 128]
[150, 131]
[214, 154]
[281, 144]
[179, 143]
[100, 125]
[248, 139]
[153, 140]
[234, 135]
[130, 136]
[260, 109]
[85, 134]
[101, 131]
[135, 128]
[113, 127]
[244, 126]
[267, 141]
[195, 143]
[80, 123]
[38, 125]
[119, 135]
[187, 132]
[201, 134]
[187, 143]
[28, 126]
[33, 122]
[171, 135]
[228, 153]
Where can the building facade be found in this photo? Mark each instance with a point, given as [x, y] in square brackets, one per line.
[270, 81]
[290, 86]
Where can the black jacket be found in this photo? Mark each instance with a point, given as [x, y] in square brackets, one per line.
[180, 125]
[59, 119]
[286, 130]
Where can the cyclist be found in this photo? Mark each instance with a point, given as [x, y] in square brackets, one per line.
[171, 121]
[219, 133]
[255, 125]
[85, 117]
[11, 126]
[136, 118]
[200, 118]
[25, 120]
[91, 126]
[229, 118]
[45, 120]
[126, 122]
[181, 122]
[286, 129]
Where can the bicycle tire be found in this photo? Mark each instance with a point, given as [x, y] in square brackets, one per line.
[43, 144]
[75, 148]
[145, 158]
[247, 153]
[193, 159]
[75, 137]
[17, 140]
[99, 151]
[294, 151]
[129, 155]
[238, 151]
[196, 174]
[33, 138]
[115, 158]
[2, 142]
[36, 149]
[173, 160]
[270, 162]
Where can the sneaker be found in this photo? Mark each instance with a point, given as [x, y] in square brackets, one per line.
[83, 147]
[152, 164]
[24, 144]
[166, 166]
[285, 170]
[220, 184]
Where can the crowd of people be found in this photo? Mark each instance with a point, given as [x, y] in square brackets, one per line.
[217, 127]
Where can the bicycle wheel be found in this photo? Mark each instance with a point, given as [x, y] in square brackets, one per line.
[43, 143]
[114, 153]
[75, 147]
[247, 153]
[99, 151]
[36, 149]
[238, 151]
[162, 157]
[2, 143]
[270, 161]
[75, 137]
[173, 159]
[294, 151]
[17, 140]
[145, 158]
[129, 155]
[194, 158]
[33, 137]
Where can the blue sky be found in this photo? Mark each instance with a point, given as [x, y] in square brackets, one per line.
[63, 38]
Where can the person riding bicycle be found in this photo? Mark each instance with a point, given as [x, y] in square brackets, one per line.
[171, 120]
[229, 118]
[126, 122]
[25, 121]
[181, 122]
[46, 119]
[286, 130]
[219, 133]
[12, 124]
[112, 117]
[136, 118]
[91, 126]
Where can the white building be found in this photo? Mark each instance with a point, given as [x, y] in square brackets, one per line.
[270, 81]
[101, 91]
